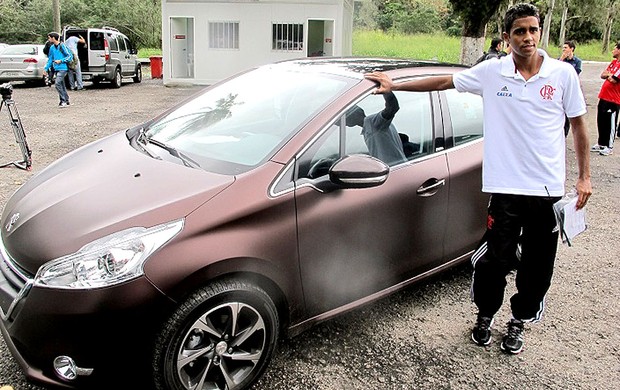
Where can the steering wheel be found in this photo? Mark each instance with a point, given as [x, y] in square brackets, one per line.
[320, 168]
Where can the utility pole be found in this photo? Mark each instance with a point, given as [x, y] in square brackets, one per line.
[56, 12]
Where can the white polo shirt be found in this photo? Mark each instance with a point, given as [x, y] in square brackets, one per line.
[524, 142]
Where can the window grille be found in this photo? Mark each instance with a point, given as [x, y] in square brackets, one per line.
[223, 35]
[287, 37]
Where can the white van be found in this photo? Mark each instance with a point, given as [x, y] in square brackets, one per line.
[107, 56]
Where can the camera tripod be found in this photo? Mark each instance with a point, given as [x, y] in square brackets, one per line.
[18, 130]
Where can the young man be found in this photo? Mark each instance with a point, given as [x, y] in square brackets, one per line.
[59, 56]
[608, 104]
[568, 55]
[75, 74]
[532, 92]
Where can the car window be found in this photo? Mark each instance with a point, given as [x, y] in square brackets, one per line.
[466, 114]
[20, 50]
[121, 44]
[128, 44]
[412, 134]
[113, 43]
[96, 41]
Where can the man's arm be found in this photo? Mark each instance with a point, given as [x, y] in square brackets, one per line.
[436, 83]
[391, 106]
[580, 137]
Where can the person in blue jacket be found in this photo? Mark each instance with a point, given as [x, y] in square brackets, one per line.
[58, 58]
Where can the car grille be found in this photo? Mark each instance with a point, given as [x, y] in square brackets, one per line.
[14, 283]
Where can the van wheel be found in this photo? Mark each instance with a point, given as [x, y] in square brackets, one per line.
[138, 77]
[221, 337]
[117, 81]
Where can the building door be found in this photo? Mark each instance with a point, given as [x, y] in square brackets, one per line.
[320, 38]
[181, 48]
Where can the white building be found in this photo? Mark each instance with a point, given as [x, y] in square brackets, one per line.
[205, 41]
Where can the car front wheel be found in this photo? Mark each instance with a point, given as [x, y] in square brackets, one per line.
[221, 337]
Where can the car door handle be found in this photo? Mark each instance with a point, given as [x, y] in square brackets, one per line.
[430, 187]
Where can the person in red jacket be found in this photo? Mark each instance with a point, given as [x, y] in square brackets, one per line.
[608, 105]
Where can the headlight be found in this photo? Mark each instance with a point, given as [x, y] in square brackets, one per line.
[109, 260]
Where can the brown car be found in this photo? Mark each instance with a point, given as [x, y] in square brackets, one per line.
[182, 249]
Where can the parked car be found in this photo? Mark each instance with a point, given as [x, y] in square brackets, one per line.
[108, 55]
[181, 250]
[22, 63]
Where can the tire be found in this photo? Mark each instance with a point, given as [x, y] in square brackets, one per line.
[138, 77]
[201, 327]
[117, 81]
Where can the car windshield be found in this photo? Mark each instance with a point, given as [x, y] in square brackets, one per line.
[239, 124]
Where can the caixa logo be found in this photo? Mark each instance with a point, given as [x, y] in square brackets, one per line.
[11, 222]
[504, 92]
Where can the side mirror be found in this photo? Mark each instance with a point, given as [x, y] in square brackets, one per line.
[359, 171]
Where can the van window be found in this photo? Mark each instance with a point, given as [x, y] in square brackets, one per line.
[121, 44]
[128, 44]
[96, 41]
[113, 43]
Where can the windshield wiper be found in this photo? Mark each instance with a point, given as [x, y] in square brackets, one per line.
[140, 140]
[187, 161]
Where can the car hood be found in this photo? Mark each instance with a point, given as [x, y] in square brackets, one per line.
[99, 189]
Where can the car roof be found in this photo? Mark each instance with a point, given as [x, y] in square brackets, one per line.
[357, 66]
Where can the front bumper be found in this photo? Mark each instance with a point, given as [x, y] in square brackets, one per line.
[110, 330]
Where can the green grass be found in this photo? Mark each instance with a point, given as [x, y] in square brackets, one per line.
[420, 46]
[148, 51]
[442, 47]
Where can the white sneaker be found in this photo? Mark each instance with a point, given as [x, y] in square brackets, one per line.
[606, 151]
[596, 148]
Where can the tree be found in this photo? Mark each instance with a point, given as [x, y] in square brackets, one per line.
[544, 41]
[56, 14]
[612, 10]
[475, 15]
[25, 21]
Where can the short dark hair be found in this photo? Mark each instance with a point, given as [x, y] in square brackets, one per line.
[54, 35]
[618, 45]
[495, 42]
[570, 44]
[518, 11]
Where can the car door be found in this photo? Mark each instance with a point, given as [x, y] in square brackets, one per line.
[123, 55]
[356, 242]
[98, 49]
[462, 114]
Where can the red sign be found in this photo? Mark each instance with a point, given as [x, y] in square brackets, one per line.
[179, 37]
[328, 40]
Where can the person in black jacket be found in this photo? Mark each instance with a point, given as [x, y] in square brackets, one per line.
[495, 50]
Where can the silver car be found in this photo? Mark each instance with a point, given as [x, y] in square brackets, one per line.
[22, 63]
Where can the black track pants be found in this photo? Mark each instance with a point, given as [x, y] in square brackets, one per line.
[606, 121]
[514, 219]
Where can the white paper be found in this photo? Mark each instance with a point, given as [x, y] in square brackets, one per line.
[574, 220]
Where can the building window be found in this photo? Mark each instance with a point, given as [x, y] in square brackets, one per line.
[287, 36]
[223, 35]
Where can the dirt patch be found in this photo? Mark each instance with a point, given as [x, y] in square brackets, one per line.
[417, 338]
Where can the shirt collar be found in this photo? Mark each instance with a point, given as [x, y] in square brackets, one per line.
[509, 70]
